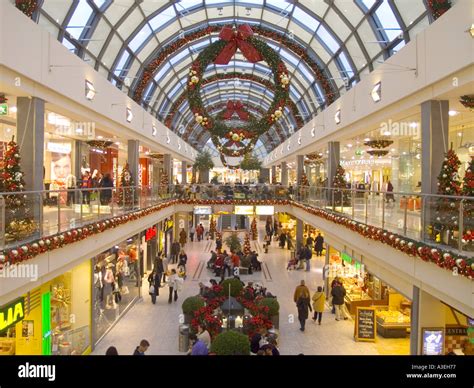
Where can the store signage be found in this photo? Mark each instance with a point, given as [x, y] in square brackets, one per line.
[433, 341]
[243, 210]
[224, 209]
[12, 313]
[366, 162]
[3, 109]
[456, 330]
[365, 324]
[60, 148]
[203, 210]
[150, 233]
[168, 224]
[265, 210]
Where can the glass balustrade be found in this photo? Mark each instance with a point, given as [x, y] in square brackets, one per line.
[444, 220]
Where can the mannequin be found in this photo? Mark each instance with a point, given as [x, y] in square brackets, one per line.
[109, 280]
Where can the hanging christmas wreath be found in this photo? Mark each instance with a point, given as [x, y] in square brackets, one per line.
[220, 53]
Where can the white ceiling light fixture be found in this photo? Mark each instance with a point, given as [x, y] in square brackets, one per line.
[312, 131]
[289, 145]
[349, 145]
[90, 90]
[129, 115]
[179, 145]
[299, 139]
[376, 93]
[337, 116]
[387, 133]
[153, 130]
[367, 139]
[168, 140]
[186, 148]
[453, 112]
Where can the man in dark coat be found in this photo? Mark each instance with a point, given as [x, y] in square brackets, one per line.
[318, 245]
[175, 249]
[338, 293]
[303, 304]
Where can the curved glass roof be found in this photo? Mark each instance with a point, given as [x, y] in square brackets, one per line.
[344, 39]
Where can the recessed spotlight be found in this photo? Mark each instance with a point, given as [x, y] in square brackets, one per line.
[459, 134]
[367, 139]
[13, 109]
[100, 137]
[349, 145]
[387, 133]
[453, 112]
[376, 93]
[337, 116]
[393, 150]
[129, 115]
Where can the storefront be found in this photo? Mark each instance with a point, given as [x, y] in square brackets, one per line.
[365, 291]
[167, 236]
[54, 319]
[287, 225]
[116, 284]
[365, 174]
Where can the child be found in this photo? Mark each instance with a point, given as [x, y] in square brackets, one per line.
[182, 271]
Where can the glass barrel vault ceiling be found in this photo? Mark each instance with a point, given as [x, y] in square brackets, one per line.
[345, 38]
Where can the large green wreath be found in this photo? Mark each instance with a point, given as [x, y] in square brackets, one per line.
[255, 127]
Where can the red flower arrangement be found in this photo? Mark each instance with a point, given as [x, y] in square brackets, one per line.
[205, 317]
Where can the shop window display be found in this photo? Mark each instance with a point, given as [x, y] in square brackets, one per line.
[115, 285]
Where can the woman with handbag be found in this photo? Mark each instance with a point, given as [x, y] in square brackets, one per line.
[174, 284]
[154, 285]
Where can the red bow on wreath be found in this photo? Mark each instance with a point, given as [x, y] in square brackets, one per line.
[237, 39]
[235, 107]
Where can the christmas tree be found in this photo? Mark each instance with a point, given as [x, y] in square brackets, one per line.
[164, 179]
[468, 181]
[253, 229]
[212, 228]
[274, 180]
[126, 191]
[246, 244]
[468, 191]
[447, 209]
[18, 223]
[339, 181]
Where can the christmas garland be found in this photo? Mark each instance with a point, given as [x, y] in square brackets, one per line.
[467, 101]
[443, 258]
[438, 7]
[226, 76]
[28, 7]
[220, 52]
[282, 39]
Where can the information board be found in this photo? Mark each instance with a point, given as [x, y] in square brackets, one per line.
[365, 324]
[432, 341]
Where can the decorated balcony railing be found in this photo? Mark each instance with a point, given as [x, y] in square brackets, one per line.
[444, 222]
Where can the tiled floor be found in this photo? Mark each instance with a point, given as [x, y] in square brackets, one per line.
[159, 323]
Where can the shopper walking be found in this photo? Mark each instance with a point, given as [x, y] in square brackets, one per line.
[192, 230]
[174, 283]
[71, 184]
[107, 185]
[182, 238]
[175, 249]
[338, 293]
[154, 285]
[334, 283]
[164, 261]
[200, 232]
[304, 306]
[319, 298]
[300, 290]
[183, 259]
[308, 254]
[142, 348]
[319, 244]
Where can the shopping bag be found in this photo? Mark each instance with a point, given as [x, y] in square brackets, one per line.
[151, 290]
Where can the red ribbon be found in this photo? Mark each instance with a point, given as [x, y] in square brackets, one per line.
[237, 39]
[235, 107]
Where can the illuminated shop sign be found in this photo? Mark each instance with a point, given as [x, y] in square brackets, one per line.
[12, 313]
[366, 162]
[264, 210]
[433, 341]
[60, 148]
[244, 210]
[203, 210]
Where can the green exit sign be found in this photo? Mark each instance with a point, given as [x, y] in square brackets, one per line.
[3, 109]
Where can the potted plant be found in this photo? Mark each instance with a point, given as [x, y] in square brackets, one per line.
[273, 310]
[235, 287]
[231, 343]
[190, 306]
[233, 242]
[203, 163]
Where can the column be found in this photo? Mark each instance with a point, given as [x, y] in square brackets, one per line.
[274, 174]
[415, 313]
[299, 234]
[333, 161]
[308, 174]
[30, 139]
[284, 174]
[434, 142]
[430, 313]
[326, 271]
[264, 175]
[184, 169]
[77, 159]
[299, 168]
[167, 167]
[133, 159]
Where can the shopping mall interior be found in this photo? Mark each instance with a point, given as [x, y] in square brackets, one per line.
[226, 177]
